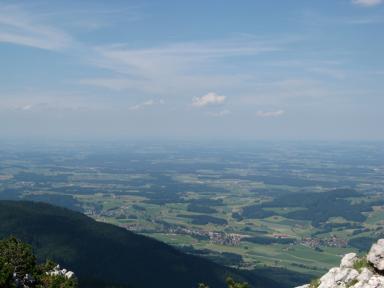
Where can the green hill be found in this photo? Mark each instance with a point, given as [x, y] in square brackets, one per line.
[103, 254]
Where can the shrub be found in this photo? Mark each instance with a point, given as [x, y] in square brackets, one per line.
[230, 284]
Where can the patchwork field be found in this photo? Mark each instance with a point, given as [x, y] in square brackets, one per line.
[297, 206]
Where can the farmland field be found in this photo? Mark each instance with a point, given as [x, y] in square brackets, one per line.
[297, 206]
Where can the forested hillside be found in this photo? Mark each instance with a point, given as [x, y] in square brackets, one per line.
[103, 254]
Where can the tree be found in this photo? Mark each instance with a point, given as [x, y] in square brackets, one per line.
[230, 284]
[18, 268]
[5, 273]
[18, 256]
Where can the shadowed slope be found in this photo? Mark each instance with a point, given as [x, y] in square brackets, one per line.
[103, 253]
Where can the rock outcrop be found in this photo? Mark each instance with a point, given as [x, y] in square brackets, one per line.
[56, 271]
[376, 255]
[355, 272]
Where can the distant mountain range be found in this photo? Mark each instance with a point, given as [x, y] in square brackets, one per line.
[105, 255]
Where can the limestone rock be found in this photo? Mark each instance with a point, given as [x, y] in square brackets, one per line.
[346, 276]
[376, 281]
[56, 271]
[365, 275]
[376, 255]
[337, 276]
[348, 260]
[69, 275]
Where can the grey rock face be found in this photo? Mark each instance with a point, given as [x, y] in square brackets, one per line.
[376, 255]
[365, 275]
[337, 276]
[348, 260]
[376, 282]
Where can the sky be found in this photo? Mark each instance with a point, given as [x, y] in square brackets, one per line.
[192, 70]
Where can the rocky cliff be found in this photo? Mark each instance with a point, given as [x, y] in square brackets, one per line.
[355, 272]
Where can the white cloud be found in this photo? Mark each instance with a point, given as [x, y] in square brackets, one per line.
[19, 27]
[33, 101]
[145, 104]
[367, 3]
[220, 113]
[207, 100]
[276, 113]
[26, 107]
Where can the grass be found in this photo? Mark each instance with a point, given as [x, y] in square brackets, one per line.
[314, 283]
[353, 282]
[375, 217]
[362, 263]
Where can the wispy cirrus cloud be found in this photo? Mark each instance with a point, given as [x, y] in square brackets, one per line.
[19, 27]
[145, 104]
[220, 113]
[117, 83]
[367, 3]
[175, 66]
[47, 101]
[176, 56]
[30, 105]
[265, 114]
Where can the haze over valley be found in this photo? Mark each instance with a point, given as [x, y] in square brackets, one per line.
[191, 144]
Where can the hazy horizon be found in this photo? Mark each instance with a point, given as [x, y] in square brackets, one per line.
[192, 71]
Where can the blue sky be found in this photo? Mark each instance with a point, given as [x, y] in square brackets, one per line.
[255, 69]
